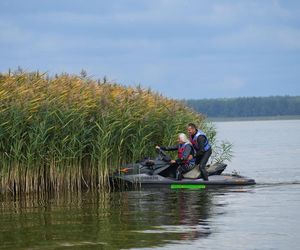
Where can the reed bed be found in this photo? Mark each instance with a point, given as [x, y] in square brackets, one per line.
[70, 132]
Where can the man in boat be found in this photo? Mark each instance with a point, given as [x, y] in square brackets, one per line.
[202, 147]
[185, 161]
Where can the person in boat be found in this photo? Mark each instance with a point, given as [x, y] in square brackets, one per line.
[202, 148]
[185, 161]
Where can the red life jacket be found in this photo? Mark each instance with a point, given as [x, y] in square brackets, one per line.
[181, 148]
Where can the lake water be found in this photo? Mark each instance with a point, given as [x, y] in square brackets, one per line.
[264, 216]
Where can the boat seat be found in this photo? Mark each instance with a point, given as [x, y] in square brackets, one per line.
[192, 174]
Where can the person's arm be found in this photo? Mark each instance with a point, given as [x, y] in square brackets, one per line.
[201, 143]
[170, 148]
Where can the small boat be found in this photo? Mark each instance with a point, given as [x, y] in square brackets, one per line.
[160, 172]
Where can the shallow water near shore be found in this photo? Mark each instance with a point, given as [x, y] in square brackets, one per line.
[264, 216]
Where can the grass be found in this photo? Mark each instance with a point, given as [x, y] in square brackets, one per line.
[70, 132]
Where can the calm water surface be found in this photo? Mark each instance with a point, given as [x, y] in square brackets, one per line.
[264, 216]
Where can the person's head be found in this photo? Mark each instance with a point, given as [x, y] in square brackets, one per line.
[182, 138]
[191, 129]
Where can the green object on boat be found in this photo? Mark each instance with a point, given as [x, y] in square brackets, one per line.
[192, 186]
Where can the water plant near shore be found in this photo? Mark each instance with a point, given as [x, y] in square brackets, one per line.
[69, 132]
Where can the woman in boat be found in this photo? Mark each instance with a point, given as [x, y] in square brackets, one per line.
[185, 161]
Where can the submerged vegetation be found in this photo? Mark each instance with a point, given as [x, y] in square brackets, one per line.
[70, 132]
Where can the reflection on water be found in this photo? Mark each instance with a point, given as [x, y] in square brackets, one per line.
[228, 218]
[132, 219]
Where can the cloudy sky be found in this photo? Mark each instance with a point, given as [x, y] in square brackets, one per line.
[180, 48]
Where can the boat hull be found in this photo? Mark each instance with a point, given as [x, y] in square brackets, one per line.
[157, 180]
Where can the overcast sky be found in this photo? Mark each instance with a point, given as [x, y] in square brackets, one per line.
[180, 48]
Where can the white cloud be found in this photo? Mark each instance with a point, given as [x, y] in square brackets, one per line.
[12, 33]
[263, 38]
[233, 82]
[215, 25]
[210, 45]
[288, 37]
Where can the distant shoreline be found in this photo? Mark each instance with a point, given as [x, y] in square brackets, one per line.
[245, 108]
[254, 118]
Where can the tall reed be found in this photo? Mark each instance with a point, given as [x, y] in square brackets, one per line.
[70, 132]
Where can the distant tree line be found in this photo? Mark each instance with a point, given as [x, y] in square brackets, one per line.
[247, 106]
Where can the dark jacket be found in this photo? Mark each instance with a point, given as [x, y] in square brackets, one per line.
[201, 142]
[189, 150]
